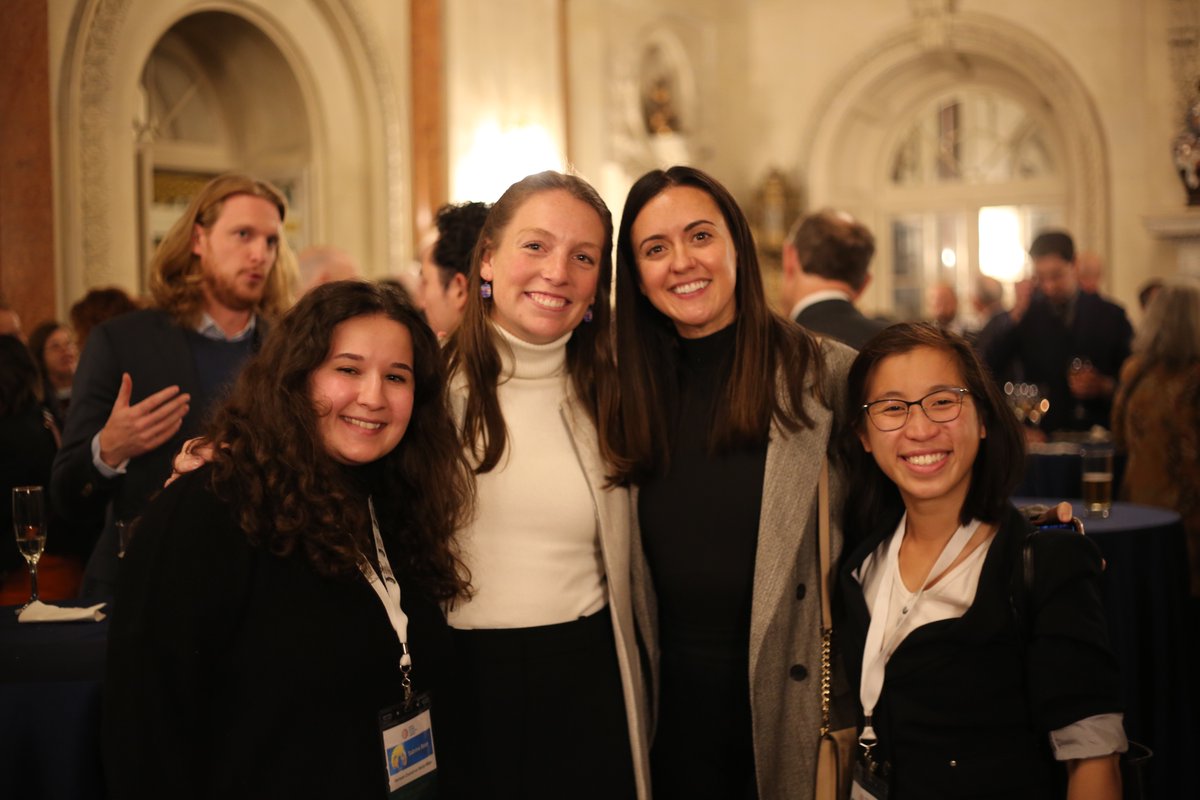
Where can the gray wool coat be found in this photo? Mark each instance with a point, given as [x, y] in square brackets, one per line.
[785, 617]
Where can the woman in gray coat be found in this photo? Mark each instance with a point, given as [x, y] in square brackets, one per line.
[726, 415]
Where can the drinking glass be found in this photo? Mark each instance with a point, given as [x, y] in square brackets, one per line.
[1097, 479]
[29, 524]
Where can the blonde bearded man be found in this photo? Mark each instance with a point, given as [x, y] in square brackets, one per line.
[145, 379]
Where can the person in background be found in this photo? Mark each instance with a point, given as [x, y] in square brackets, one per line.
[97, 306]
[988, 303]
[273, 603]
[1070, 343]
[1156, 413]
[1147, 291]
[10, 322]
[147, 378]
[1091, 272]
[28, 442]
[973, 678]
[826, 267]
[726, 415]
[546, 647]
[319, 264]
[446, 265]
[942, 301]
[53, 347]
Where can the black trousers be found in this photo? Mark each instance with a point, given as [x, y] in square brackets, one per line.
[539, 713]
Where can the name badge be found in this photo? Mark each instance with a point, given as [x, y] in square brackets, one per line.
[408, 751]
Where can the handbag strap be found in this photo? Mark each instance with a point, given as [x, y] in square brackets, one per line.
[824, 561]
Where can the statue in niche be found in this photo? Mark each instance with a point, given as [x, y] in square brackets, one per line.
[660, 90]
[1187, 154]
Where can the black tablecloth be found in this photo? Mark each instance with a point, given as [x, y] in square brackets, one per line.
[50, 687]
[1146, 600]
[1060, 475]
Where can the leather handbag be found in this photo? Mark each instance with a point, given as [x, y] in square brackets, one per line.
[835, 749]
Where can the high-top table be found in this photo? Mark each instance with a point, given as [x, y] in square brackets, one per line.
[50, 684]
[1146, 600]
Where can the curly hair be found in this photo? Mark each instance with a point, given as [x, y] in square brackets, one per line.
[97, 306]
[289, 494]
[176, 282]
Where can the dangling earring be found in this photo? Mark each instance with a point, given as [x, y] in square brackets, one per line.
[587, 315]
[485, 290]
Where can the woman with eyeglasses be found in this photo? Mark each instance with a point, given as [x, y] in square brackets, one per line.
[975, 672]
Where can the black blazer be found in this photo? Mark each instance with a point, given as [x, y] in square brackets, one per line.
[153, 349]
[968, 703]
[267, 674]
[1045, 346]
[841, 320]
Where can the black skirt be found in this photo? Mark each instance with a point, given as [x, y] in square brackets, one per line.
[540, 712]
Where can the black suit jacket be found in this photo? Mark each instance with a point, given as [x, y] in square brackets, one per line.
[840, 320]
[967, 703]
[153, 349]
[1045, 346]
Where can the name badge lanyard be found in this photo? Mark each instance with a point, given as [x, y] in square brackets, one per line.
[387, 588]
[881, 643]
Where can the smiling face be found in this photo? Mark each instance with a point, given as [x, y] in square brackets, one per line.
[544, 267]
[238, 251]
[364, 389]
[687, 264]
[930, 462]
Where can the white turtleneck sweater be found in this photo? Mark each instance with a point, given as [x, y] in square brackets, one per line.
[532, 550]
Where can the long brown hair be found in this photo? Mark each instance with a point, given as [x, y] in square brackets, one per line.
[1170, 332]
[767, 347]
[289, 494]
[176, 282]
[472, 352]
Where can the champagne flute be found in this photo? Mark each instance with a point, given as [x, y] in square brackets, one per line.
[29, 523]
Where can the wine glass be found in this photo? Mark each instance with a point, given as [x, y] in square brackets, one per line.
[29, 524]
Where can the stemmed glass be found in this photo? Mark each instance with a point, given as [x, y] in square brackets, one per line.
[29, 524]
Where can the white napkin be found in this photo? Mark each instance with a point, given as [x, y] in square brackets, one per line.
[37, 611]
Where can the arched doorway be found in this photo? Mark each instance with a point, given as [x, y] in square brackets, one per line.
[974, 83]
[323, 116]
[217, 95]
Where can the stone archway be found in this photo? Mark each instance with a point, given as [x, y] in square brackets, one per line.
[349, 105]
[844, 155]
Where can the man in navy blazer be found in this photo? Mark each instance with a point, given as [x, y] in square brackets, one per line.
[825, 269]
[146, 379]
[1071, 343]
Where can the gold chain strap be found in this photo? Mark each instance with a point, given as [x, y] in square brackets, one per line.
[826, 680]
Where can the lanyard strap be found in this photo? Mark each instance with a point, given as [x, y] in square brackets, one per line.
[387, 588]
[880, 642]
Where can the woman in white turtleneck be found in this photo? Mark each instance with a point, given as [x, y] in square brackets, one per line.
[549, 689]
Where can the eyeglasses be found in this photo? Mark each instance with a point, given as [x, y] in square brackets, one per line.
[890, 414]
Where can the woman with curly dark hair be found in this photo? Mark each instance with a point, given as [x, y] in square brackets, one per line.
[259, 632]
